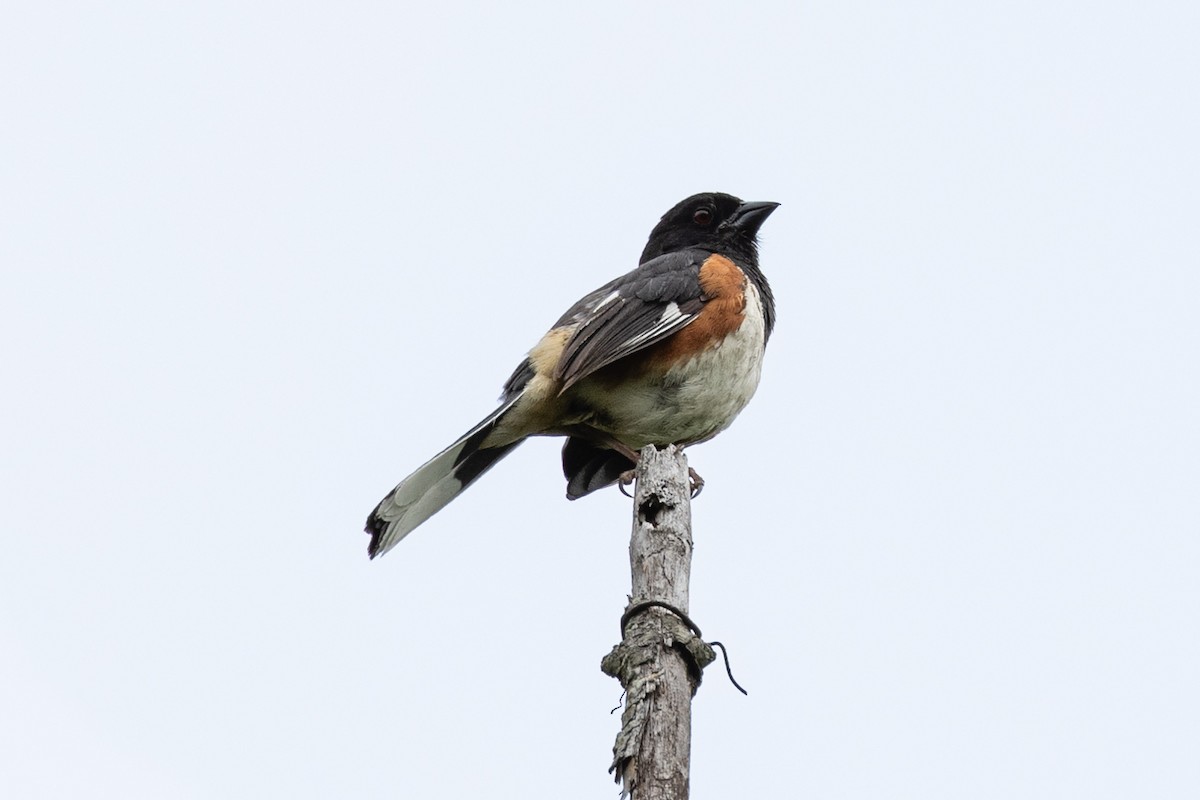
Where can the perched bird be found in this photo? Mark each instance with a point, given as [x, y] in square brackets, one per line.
[666, 354]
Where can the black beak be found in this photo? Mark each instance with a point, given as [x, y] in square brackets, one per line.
[749, 217]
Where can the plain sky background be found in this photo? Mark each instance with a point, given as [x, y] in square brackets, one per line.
[260, 260]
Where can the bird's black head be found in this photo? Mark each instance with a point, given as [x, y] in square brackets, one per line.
[712, 221]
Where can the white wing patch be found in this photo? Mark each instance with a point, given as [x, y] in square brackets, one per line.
[670, 319]
[605, 301]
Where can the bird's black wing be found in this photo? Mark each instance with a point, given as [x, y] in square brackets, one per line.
[631, 313]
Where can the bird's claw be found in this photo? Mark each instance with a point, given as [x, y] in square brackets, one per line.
[697, 482]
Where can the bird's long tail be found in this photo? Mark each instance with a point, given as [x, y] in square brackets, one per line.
[435, 484]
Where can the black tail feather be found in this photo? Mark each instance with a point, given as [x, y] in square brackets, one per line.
[589, 467]
[480, 461]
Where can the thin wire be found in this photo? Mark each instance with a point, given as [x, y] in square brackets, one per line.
[728, 670]
[638, 608]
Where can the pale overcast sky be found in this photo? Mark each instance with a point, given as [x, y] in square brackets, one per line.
[260, 260]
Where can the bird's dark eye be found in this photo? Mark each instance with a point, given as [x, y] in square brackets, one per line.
[702, 217]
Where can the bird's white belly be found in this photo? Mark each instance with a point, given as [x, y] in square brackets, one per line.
[696, 399]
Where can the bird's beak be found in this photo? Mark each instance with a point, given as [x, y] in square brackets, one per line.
[749, 217]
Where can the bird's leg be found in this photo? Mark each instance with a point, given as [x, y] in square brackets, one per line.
[626, 477]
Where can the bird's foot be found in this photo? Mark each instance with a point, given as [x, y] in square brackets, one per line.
[697, 482]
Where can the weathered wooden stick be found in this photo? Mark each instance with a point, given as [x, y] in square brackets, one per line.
[659, 659]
